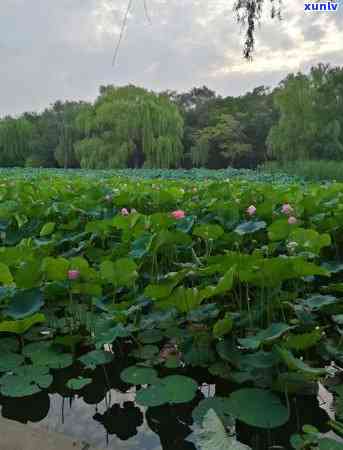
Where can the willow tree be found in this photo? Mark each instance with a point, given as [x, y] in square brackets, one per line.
[15, 141]
[129, 126]
[249, 13]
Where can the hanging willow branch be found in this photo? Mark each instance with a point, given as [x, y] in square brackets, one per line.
[248, 12]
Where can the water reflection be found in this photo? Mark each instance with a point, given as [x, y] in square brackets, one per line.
[122, 421]
[104, 414]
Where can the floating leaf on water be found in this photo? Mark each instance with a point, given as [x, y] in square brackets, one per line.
[146, 352]
[218, 404]
[150, 336]
[76, 384]
[139, 375]
[48, 355]
[257, 408]
[8, 345]
[9, 361]
[25, 381]
[213, 435]
[172, 389]
[96, 358]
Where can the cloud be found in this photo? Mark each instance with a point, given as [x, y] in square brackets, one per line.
[63, 49]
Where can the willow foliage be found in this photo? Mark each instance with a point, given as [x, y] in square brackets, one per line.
[15, 136]
[130, 126]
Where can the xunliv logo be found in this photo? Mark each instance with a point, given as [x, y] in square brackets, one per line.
[319, 6]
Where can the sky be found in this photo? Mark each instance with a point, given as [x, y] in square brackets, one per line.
[63, 49]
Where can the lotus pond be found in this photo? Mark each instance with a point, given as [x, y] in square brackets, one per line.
[173, 312]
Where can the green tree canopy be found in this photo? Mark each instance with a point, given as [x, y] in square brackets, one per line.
[130, 126]
[220, 145]
[15, 141]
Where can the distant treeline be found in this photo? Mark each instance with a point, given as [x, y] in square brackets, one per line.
[129, 126]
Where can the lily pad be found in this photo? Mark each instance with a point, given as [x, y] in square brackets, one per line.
[219, 405]
[213, 435]
[96, 358]
[47, 355]
[76, 384]
[25, 303]
[172, 389]
[25, 381]
[257, 408]
[146, 352]
[139, 375]
[150, 336]
[9, 361]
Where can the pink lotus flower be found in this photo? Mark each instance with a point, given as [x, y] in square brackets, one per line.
[124, 212]
[287, 209]
[251, 210]
[73, 274]
[292, 220]
[178, 214]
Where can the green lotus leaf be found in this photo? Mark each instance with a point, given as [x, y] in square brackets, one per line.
[45, 354]
[150, 336]
[154, 395]
[219, 405]
[5, 275]
[258, 408]
[25, 303]
[9, 361]
[146, 352]
[213, 435]
[250, 227]
[8, 345]
[139, 375]
[25, 381]
[141, 246]
[173, 389]
[55, 269]
[318, 302]
[209, 231]
[299, 365]
[76, 384]
[47, 229]
[21, 326]
[96, 358]
[223, 326]
[270, 334]
[122, 272]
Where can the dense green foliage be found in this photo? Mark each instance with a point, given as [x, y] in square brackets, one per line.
[229, 278]
[130, 127]
[315, 170]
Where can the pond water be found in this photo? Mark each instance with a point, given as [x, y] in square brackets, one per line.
[105, 415]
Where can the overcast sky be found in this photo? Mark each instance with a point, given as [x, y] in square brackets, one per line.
[62, 49]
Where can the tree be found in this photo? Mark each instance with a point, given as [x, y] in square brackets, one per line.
[249, 12]
[296, 130]
[311, 111]
[220, 145]
[15, 141]
[129, 126]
